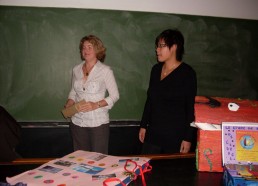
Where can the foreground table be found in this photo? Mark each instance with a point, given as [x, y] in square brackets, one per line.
[178, 172]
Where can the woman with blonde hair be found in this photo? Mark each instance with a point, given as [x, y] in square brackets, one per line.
[90, 81]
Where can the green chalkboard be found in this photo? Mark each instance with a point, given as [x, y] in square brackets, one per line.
[39, 47]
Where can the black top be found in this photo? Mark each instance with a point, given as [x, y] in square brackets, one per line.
[169, 108]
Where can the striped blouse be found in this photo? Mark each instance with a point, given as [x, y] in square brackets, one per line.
[100, 81]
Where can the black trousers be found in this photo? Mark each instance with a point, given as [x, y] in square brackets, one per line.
[93, 139]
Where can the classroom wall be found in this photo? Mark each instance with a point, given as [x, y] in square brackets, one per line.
[220, 8]
[40, 46]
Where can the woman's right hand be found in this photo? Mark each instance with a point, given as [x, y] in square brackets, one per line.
[142, 134]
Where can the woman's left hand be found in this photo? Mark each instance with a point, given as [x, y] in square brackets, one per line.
[185, 147]
[88, 106]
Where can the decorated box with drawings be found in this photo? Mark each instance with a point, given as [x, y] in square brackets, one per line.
[240, 153]
[208, 152]
[210, 113]
[82, 168]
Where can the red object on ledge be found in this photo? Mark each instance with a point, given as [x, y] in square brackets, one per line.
[204, 113]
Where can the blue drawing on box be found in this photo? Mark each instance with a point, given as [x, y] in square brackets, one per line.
[247, 142]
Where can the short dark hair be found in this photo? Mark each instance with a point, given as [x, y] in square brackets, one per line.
[173, 37]
[97, 45]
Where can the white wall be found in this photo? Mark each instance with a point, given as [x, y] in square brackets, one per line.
[243, 9]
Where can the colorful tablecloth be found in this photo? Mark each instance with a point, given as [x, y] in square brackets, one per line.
[83, 168]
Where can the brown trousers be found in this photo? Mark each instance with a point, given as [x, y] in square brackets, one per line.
[93, 139]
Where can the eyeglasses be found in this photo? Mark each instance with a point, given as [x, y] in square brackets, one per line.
[161, 45]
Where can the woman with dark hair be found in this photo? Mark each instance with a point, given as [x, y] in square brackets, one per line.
[169, 108]
[90, 82]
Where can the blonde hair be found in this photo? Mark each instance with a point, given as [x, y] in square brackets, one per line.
[97, 45]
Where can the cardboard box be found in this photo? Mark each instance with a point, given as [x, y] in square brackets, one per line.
[240, 153]
[70, 111]
[213, 111]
